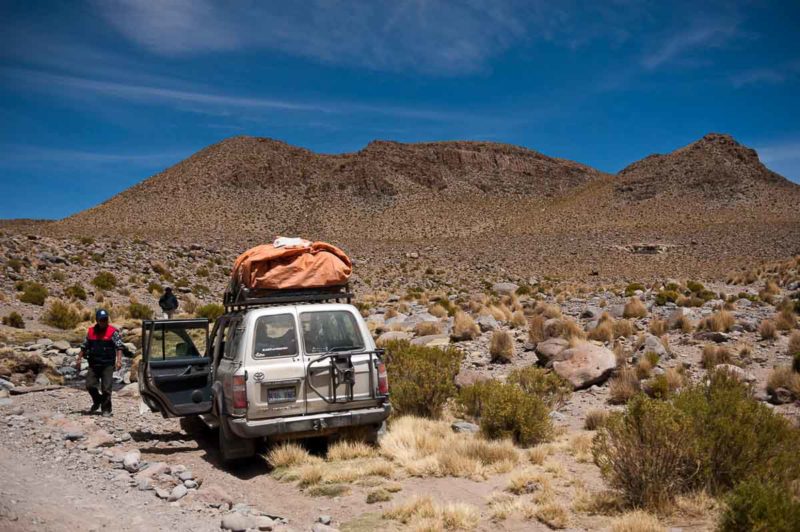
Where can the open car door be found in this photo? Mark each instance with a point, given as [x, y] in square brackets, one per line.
[175, 374]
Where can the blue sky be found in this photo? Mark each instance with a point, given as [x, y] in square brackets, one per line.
[98, 95]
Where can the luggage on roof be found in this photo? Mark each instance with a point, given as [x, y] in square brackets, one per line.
[291, 263]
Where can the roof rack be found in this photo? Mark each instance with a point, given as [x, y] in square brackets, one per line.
[240, 298]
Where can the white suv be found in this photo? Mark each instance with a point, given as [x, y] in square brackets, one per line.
[276, 371]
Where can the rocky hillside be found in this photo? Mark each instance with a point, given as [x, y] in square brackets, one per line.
[473, 211]
[715, 168]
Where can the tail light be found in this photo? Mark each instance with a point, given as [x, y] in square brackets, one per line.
[383, 379]
[239, 391]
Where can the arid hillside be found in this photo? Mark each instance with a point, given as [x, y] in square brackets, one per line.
[469, 208]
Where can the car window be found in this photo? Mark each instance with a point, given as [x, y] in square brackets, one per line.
[275, 336]
[177, 343]
[330, 330]
[232, 339]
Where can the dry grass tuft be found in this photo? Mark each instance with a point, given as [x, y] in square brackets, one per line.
[623, 329]
[350, 450]
[501, 346]
[603, 332]
[425, 447]
[290, 454]
[784, 377]
[634, 308]
[767, 330]
[427, 328]
[658, 327]
[518, 319]
[696, 505]
[794, 344]
[721, 321]
[595, 419]
[786, 320]
[604, 502]
[684, 323]
[553, 515]
[537, 455]
[437, 310]
[643, 368]
[422, 513]
[464, 327]
[581, 447]
[624, 385]
[637, 521]
[713, 355]
[536, 329]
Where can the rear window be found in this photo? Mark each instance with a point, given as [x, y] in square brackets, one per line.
[330, 330]
[275, 336]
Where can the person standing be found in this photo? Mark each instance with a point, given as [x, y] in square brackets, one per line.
[103, 348]
[168, 303]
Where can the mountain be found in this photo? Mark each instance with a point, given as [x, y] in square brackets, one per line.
[715, 167]
[471, 209]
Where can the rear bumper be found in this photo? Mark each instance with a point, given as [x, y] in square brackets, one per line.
[319, 423]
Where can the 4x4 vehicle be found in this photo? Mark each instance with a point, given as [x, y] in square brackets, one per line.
[277, 366]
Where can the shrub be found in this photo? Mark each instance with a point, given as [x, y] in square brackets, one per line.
[202, 271]
[211, 311]
[422, 378]
[201, 290]
[786, 378]
[75, 291]
[14, 264]
[33, 293]
[139, 311]
[507, 411]
[546, 385]
[155, 288]
[623, 328]
[604, 331]
[105, 281]
[634, 308]
[767, 329]
[762, 506]
[645, 454]
[666, 296]
[631, 289]
[14, 320]
[437, 310]
[501, 346]
[624, 385]
[695, 287]
[785, 320]
[518, 319]
[464, 327]
[62, 315]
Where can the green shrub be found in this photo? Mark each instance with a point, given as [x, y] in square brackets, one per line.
[62, 315]
[202, 271]
[58, 276]
[86, 240]
[524, 290]
[33, 293]
[695, 287]
[139, 311]
[182, 282]
[212, 311]
[760, 506]
[665, 296]
[507, 411]
[15, 264]
[645, 453]
[155, 288]
[546, 385]
[200, 290]
[632, 288]
[421, 378]
[76, 291]
[14, 320]
[105, 281]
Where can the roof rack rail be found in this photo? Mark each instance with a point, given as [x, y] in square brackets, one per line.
[240, 298]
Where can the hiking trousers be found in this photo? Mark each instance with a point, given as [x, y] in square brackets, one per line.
[98, 382]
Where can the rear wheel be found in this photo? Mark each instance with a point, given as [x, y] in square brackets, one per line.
[231, 446]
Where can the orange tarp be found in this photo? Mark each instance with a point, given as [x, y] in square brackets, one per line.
[302, 264]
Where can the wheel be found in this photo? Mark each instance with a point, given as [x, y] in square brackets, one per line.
[231, 446]
[193, 425]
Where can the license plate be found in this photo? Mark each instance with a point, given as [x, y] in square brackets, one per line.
[281, 395]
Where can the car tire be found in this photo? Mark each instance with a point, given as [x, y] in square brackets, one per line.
[231, 446]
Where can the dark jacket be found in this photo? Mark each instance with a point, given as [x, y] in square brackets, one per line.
[101, 345]
[168, 302]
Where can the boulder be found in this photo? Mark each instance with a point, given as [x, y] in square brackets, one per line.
[392, 336]
[468, 377]
[432, 340]
[178, 492]
[99, 438]
[592, 313]
[465, 427]
[585, 364]
[780, 396]
[550, 349]
[153, 470]
[213, 495]
[486, 323]
[616, 311]
[505, 288]
[240, 522]
[652, 344]
[61, 345]
[130, 390]
[736, 372]
[712, 336]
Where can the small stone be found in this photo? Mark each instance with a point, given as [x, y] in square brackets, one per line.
[161, 493]
[131, 461]
[144, 484]
[324, 519]
[465, 427]
[185, 475]
[178, 492]
[191, 484]
[236, 522]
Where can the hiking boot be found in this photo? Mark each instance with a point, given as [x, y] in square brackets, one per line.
[95, 407]
[107, 413]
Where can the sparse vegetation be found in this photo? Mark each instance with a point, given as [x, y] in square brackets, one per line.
[760, 505]
[720, 321]
[105, 281]
[501, 346]
[713, 355]
[62, 315]
[75, 291]
[464, 327]
[139, 311]
[624, 385]
[33, 293]
[632, 288]
[211, 311]
[767, 330]
[422, 377]
[14, 320]
[634, 308]
[547, 385]
[595, 419]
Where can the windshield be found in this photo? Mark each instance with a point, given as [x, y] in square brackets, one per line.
[275, 336]
[330, 330]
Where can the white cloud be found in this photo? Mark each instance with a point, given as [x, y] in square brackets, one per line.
[430, 36]
[766, 75]
[702, 35]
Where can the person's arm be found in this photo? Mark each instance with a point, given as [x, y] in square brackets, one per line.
[80, 356]
[117, 339]
[118, 363]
